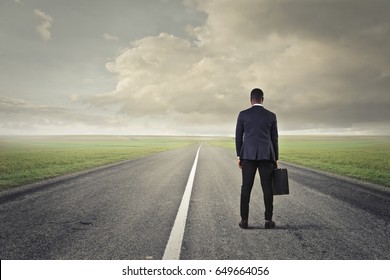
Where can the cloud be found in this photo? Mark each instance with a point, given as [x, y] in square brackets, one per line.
[43, 28]
[321, 64]
[20, 114]
[109, 37]
[166, 75]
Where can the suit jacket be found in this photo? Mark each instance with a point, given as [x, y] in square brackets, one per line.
[257, 134]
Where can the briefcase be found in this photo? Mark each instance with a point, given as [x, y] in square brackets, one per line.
[280, 181]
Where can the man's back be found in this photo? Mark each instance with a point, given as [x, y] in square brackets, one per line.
[257, 134]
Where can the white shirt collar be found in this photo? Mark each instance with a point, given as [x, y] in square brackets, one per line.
[257, 104]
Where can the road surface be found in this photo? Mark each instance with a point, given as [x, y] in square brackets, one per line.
[127, 211]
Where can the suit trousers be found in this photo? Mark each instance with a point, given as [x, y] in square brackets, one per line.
[249, 168]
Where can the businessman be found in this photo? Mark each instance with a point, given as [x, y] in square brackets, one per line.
[257, 149]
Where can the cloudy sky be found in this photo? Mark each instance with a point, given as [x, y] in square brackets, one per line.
[187, 67]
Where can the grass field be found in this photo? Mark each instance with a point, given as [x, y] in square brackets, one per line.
[25, 160]
[364, 158]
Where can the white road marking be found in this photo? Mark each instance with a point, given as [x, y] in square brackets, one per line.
[173, 248]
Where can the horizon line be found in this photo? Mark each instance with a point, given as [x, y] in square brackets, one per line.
[187, 135]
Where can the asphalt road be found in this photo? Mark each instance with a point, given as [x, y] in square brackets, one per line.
[127, 211]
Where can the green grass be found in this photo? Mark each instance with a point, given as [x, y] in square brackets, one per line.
[26, 160]
[365, 158]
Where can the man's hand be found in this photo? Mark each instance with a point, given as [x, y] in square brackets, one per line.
[239, 164]
[276, 164]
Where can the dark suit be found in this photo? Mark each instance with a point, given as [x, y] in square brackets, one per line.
[257, 148]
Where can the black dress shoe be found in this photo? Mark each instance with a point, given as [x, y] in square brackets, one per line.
[269, 224]
[243, 224]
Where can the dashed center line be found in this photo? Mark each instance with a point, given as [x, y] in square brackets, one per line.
[173, 248]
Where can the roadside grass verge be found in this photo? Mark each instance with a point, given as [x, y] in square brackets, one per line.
[365, 158]
[25, 160]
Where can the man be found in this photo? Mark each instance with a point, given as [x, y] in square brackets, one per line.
[257, 149]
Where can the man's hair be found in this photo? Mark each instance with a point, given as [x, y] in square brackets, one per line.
[257, 95]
